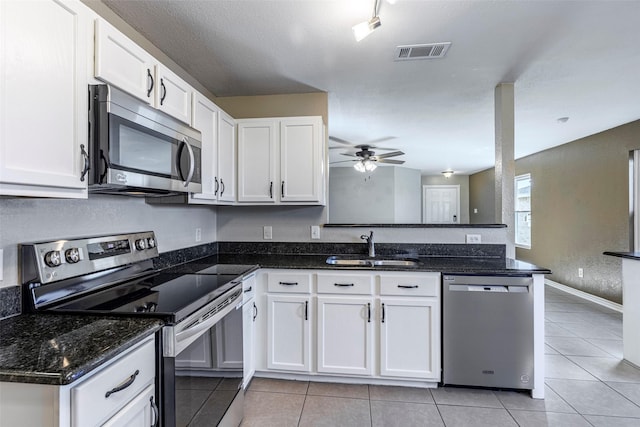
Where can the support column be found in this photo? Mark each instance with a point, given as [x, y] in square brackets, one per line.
[505, 161]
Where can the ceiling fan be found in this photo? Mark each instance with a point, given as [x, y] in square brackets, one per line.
[366, 159]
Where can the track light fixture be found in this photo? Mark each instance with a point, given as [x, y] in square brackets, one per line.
[363, 29]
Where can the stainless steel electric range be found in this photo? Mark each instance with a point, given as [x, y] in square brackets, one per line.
[199, 351]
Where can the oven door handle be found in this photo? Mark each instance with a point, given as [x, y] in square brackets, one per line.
[188, 335]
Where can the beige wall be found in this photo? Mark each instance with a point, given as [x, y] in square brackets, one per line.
[482, 197]
[580, 208]
[301, 104]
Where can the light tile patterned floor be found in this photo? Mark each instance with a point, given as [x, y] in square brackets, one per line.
[587, 384]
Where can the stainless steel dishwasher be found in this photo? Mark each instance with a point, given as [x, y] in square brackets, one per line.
[488, 331]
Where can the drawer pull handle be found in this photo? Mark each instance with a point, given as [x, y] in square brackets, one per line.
[124, 385]
[249, 289]
[368, 312]
[408, 286]
[306, 310]
[383, 313]
[343, 284]
[289, 283]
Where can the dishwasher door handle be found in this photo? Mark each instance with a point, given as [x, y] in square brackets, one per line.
[478, 288]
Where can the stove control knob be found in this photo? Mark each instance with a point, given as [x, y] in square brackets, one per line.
[151, 242]
[52, 258]
[141, 244]
[72, 255]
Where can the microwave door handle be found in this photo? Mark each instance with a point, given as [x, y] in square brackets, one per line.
[192, 162]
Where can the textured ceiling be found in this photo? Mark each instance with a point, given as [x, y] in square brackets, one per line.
[576, 59]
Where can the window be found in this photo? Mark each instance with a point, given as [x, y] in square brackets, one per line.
[523, 210]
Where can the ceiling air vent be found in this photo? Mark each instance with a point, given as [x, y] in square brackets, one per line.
[422, 51]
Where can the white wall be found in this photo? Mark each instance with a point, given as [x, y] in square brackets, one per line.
[408, 196]
[27, 220]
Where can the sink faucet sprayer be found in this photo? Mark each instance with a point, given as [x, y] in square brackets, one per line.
[370, 243]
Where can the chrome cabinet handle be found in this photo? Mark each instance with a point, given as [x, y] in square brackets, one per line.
[408, 286]
[289, 283]
[163, 89]
[150, 78]
[383, 313]
[154, 411]
[343, 285]
[124, 385]
[85, 169]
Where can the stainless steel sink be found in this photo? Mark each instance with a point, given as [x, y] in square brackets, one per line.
[371, 262]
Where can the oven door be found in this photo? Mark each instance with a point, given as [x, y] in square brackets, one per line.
[203, 380]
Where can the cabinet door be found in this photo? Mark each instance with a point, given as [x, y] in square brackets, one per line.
[289, 332]
[122, 63]
[248, 334]
[410, 338]
[228, 334]
[172, 94]
[197, 354]
[142, 411]
[344, 335]
[301, 159]
[205, 119]
[256, 161]
[43, 106]
[226, 157]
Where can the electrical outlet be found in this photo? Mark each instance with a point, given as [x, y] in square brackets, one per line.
[475, 210]
[474, 238]
[315, 231]
[267, 232]
[580, 272]
[198, 234]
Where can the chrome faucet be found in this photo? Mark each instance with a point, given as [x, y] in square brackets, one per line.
[370, 243]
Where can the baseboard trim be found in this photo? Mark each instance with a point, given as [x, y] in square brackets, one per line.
[585, 295]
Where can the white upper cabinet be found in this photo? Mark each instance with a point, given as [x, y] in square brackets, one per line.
[121, 62]
[172, 94]
[43, 102]
[281, 161]
[218, 152]
[226, 158]
[124, 64]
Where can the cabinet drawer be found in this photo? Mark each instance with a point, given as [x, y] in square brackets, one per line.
[423, 285]
[345, 283]
[299, 283]
[95, 400]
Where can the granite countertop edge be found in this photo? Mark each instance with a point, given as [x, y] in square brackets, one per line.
[78, 362]
[627, 255]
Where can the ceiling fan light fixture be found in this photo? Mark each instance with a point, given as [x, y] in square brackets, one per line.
[448, 173]
[363, 29]
[365, 165]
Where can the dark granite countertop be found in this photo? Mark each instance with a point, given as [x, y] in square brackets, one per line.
[627, 255]
[59, 349]
[452, 265]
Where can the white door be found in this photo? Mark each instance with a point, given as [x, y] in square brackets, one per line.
[289, 333]
[409, 330]
[256, 161]
[43, 89]
[226, 157]
[300, 159]
[344, 335]
[441, 204]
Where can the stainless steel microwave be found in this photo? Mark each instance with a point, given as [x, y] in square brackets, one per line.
[137, 150]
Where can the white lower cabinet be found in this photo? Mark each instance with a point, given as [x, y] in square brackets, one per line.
[366, 324]
[289, 332]
[121, 393]
[409, 346]
[344, 335]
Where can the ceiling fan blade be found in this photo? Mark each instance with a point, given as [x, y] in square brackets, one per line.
[390, 161]
[348, 155]
[383, 139]
[340, 140]
[392, 154]
[343, 161]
